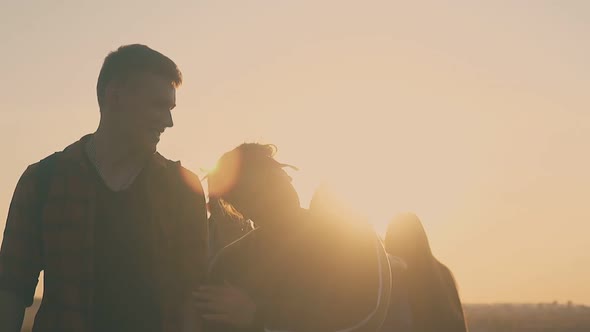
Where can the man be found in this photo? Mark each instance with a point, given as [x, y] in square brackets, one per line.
[119, 231]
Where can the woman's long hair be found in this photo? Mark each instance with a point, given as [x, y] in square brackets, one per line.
[431, 287]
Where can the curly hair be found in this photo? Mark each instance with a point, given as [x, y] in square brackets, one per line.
[246, 163]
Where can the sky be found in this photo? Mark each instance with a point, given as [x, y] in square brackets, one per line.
[474, 115]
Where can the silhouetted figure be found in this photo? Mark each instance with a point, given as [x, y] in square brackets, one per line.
[295, 271]
[399, 318]
[119, 231]
[324, 200]
[327, 203]
[431, 289]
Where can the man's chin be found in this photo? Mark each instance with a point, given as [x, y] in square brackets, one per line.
[148, 147]
[141, 144]
[150, 144]
[151, 149]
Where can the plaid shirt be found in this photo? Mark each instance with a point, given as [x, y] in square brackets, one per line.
[61, 243]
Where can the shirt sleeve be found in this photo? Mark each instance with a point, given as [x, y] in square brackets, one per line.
[21, 251]
[194, 213]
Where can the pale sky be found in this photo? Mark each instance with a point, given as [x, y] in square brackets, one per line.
[473, 114]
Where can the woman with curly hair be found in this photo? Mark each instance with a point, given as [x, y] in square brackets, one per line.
[296, 271]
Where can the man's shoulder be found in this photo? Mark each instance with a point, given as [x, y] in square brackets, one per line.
[35, 169]
[161, 161]
[34, 178]
[72, 152]
[188, 178]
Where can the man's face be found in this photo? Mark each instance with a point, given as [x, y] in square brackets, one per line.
[144, 110]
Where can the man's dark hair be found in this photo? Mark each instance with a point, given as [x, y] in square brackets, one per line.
[129, 60]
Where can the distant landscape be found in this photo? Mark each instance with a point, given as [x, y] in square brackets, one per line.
[541, 317]
[545, 317]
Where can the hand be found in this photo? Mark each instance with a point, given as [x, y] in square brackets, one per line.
[226, 304]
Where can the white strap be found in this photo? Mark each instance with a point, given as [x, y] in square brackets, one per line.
[382, 283]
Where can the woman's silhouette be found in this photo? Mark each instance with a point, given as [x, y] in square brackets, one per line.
[300, 271]
[432, 292]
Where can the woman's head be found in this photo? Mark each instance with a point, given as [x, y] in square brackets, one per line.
[406, 238]
[249, 181]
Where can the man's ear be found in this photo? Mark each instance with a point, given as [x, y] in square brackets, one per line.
[112, 94]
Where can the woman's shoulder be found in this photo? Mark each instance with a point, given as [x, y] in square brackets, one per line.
[233, 255]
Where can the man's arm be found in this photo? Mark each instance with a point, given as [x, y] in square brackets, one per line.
[196, 244]
[20, 254]
[12, 312]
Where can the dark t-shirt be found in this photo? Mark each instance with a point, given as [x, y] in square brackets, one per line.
[126, 276]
